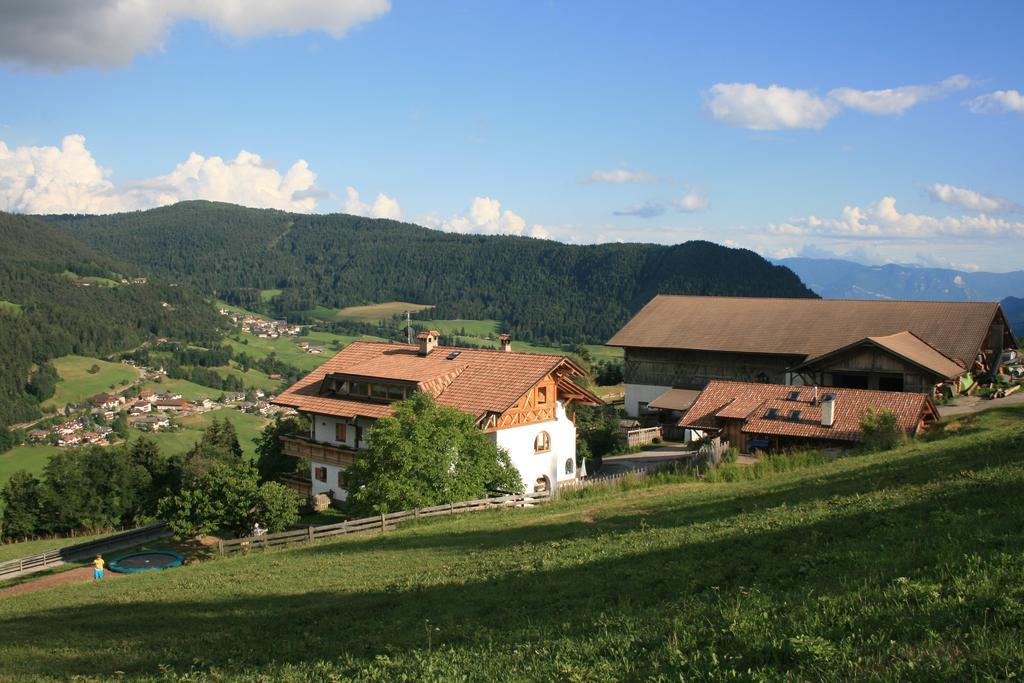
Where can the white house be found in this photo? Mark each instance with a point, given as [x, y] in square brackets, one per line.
[521, 400]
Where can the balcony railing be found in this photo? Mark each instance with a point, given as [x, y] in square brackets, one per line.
[305, 448]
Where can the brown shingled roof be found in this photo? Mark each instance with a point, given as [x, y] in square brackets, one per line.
[803, 327]
[476, 381]
[908, 346]
[751, 402]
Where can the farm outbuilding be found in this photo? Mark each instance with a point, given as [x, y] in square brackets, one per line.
[684, 342]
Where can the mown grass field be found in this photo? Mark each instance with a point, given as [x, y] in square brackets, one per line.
[288, 350]
[251, 378]
[376, 312]
[27, 457]
[269, 294]
[190, 391]
[248, 427]
[77, 384]
[901, 565]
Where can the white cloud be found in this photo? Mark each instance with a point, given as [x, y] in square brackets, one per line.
[383, 206]
[972, 200]
[58, 35]
[692, 202]
[643, 210]
[68, 180]
[748, 105]
[882, 221]
[620, 176]
[997, 102]
[896, 100]
[486, 217]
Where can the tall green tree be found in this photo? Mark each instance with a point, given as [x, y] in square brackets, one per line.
[230, 497]
[425, 455]
[270, 458]
[22, 506]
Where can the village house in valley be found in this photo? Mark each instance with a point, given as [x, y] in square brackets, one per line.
[683, 342]
[752, 416]
[522, 400]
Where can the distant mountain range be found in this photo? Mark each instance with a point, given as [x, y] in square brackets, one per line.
[840, 279]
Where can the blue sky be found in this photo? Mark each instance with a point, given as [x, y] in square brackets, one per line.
[894, 131]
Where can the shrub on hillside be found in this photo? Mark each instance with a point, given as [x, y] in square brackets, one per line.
[879, 430]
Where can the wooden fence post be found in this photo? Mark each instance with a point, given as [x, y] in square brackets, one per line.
[416, 513]
[382, 522]
[310, 531]
[220, 546]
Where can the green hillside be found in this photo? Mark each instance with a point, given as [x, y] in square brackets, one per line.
[77, 382]
[900, 565]
[541, 291]
[59, 318]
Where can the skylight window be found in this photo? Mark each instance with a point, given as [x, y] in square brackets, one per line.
[794, 415]
[794, 396]
[453, 355]
[772, 413]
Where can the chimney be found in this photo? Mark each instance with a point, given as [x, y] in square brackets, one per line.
[428, 341]
[828, 410]
[506, 342]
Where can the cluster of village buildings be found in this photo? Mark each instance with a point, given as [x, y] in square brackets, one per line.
[261, 327]
[757, 374]
[151, 411]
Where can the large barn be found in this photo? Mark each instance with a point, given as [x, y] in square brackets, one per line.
[684, 342]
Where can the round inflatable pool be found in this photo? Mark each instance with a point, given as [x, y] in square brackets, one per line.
[147, 560]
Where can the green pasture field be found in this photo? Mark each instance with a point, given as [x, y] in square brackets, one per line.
[902, 565]
[77, 384]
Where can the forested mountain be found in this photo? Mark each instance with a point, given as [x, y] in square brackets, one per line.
[48, 310]
[541, 290]
[840, 279]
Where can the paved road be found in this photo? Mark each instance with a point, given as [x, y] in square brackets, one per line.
[644, 459]
[972, 404]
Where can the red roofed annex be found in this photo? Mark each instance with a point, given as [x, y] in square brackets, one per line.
[753, 416]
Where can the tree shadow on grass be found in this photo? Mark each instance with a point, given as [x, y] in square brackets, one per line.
[744, 596]
[682, 510]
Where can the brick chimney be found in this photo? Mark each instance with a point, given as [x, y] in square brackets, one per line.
[428, 341]
[506, 342]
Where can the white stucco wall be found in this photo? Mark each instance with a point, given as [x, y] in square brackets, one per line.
[324, 430]
[641, 393]
[519, 441]
[330, 486]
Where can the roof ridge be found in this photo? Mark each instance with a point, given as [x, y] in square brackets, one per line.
[824, 299]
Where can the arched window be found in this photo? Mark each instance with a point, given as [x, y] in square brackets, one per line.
[542, 443]
[570, 466]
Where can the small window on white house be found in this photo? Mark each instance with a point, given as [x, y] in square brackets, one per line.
[343, 479]
[320, 473]
[340, 432]
[542, 443]
[570, 466]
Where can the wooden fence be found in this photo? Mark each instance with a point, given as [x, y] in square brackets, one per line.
[642, 436]
[81, 551]
[377, 523]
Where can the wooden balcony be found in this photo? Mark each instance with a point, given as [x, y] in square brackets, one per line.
[307, 449]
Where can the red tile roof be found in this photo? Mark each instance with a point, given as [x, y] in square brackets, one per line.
[751, 402]
[476, 381]
[804, 327]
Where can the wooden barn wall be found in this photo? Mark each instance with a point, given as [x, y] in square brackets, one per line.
[694, 369]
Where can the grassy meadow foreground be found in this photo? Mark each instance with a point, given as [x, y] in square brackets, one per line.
[900, 565]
